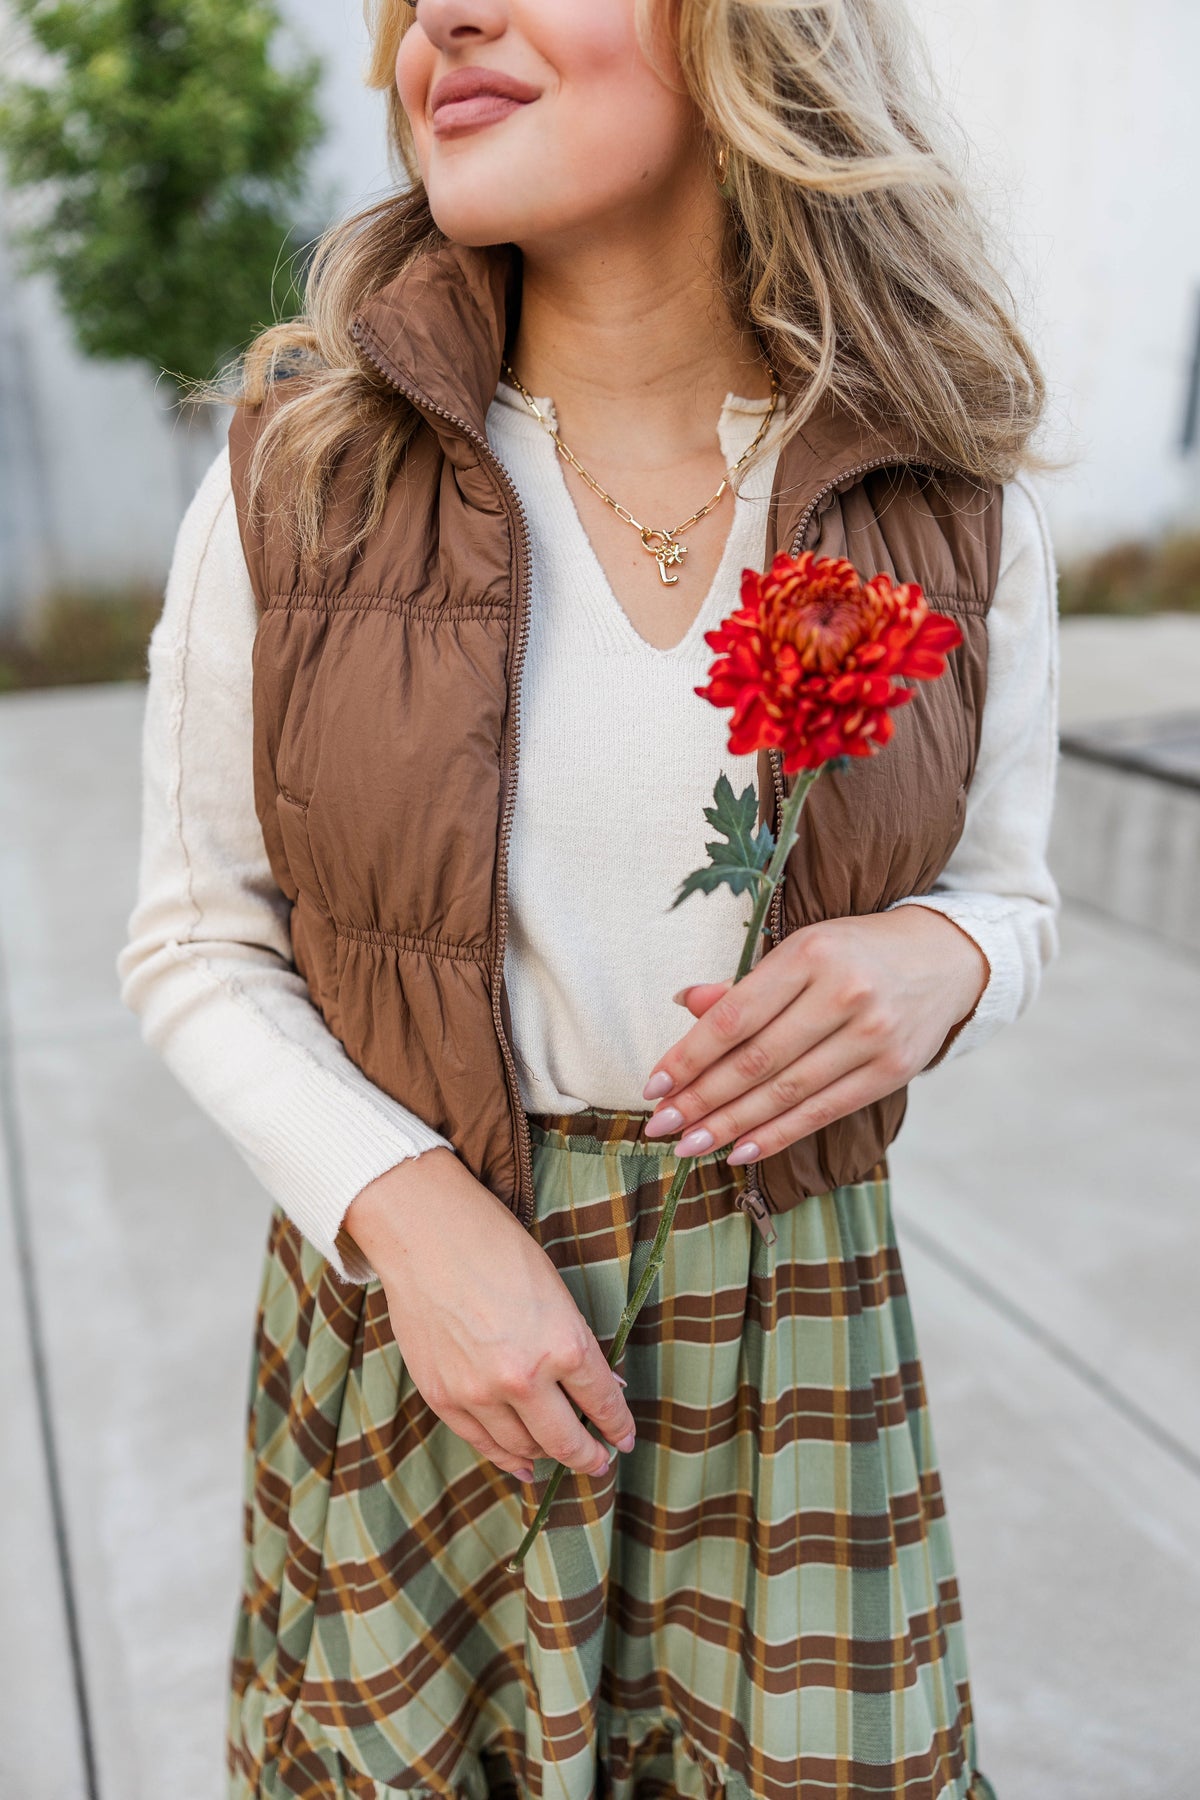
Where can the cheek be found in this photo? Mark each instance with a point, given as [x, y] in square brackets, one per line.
[614, 118]
[414, 73]
[607, 87]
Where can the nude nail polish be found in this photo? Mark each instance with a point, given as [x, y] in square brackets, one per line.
[662, 1123]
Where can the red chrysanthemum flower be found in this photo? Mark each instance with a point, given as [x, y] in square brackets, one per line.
[815, 660]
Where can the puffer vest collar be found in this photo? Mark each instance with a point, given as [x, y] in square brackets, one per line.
[438, 333]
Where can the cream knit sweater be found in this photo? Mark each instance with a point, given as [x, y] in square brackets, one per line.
[594, 953]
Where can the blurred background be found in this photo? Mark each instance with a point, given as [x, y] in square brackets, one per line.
[164, 163]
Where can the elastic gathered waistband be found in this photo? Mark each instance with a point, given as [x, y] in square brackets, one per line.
[597, 1128]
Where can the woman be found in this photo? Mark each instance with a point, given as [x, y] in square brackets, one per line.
[432, 1001]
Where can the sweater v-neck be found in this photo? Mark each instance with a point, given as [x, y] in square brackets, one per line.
[739, 419]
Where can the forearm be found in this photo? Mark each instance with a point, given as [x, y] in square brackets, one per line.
[241, 1035]
[207, 964]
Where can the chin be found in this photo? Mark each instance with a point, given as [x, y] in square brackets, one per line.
[463, 206]
[496, 193]
[467, 228]
[475, 219]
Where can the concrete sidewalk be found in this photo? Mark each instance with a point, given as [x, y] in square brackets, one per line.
[1047, 1195]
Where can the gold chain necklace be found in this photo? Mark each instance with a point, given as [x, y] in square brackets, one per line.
[662, 544]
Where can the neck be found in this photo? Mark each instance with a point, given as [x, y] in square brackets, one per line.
[627, 328]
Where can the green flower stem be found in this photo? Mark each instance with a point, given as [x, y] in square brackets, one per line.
[788, 832]
[632, 1308]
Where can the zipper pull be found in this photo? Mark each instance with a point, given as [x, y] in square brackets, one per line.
[751, 1201]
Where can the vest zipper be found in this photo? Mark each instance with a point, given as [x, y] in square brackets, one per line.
[775, 910]
[523, 1200]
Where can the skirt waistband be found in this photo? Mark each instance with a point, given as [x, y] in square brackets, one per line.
[597, 1128]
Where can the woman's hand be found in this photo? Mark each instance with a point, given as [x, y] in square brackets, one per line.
[831, 1018]
[486, 1326]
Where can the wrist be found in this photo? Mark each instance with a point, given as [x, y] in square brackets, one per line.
[372, 1219]
[968, 973]
[964, 965]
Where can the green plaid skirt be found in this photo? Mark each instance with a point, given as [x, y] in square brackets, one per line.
[757, 1603]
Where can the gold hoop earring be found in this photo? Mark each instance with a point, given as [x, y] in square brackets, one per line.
[721, 170]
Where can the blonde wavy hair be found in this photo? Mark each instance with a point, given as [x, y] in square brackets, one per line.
[852, 246]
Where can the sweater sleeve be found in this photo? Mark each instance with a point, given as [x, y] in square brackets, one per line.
[997, 886]
[207, 964]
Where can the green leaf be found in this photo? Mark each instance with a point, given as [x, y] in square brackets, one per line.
[739, 863]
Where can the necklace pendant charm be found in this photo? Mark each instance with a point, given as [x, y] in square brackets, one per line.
[667, 552]
[664, 546]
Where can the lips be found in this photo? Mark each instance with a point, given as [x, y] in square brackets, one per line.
[471, 97]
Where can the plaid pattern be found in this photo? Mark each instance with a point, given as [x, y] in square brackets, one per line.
[757, 1603]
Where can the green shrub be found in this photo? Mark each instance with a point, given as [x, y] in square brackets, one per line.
[165, 149]
[1135, 578]
[78, 637]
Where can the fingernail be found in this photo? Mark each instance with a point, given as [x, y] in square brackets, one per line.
[680, 998]
[744, 1153]
[696, 1142]
[523, 1474]
[620, 1378]
[627, 1442]
[657, 1086]
[662, 1123]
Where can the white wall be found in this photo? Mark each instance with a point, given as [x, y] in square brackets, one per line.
[1083, 116]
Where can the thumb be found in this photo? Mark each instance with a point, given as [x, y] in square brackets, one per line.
[701, 995]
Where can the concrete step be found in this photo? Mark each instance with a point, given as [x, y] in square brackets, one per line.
[1126, 833]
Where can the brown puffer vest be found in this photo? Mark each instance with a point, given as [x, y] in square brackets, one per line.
[386, 729]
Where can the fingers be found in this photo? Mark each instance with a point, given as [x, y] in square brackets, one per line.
[588, 1381]
[503, 1424]
[835, 1077]
[507, 1390]
[701, 995]
[467, 1427]
[601, 1398]
[562, 1434]
[857, 1088]
[551, 1427]
[773, 1053]
[792, 1088]
[524, 1411]
[742, 1010]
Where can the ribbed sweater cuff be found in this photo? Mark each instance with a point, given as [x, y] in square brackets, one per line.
[990, 922]
[313, 1128]
[321, 1145]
